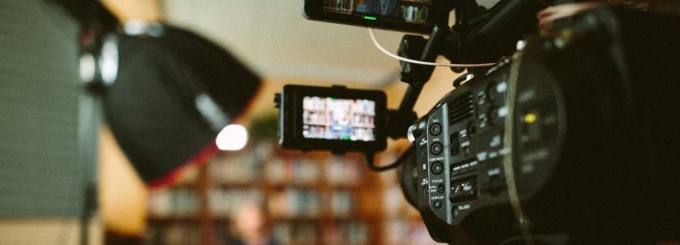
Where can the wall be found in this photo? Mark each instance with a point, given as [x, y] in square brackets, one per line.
[122, 194]
[439, 85]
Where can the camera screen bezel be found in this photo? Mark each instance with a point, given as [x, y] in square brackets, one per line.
[291, 119]
[314, 10]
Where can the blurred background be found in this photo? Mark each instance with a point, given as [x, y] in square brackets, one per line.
[64, 178]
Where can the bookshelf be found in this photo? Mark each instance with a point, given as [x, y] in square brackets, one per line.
[321, 122]
[312, 198]
[177, 215]
[402, 223]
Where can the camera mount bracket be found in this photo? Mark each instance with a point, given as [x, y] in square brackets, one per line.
[466, 42]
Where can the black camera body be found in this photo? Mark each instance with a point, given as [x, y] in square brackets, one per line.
[334, 118]
[573, 139]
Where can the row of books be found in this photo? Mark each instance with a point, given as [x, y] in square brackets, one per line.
[339, 132]
[353, 233]
[252, 168]
[350, 233]
[285, 233]
[321, 118]
[235, 168]
[292, 170]
[179, 202]
[174, 234]
[335, 171]
[340, 5]
[316, 103]
[295, 203]
[223, 203]
[243, 169]
[344, 171]
[415, 13]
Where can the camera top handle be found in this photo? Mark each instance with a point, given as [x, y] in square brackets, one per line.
[416, 76]
[479, 35]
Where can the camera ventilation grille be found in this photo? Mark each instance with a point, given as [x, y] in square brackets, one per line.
[461, 108]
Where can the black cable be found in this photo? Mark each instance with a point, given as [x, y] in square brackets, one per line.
[371, 163]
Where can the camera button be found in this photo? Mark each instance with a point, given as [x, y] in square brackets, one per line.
[436, 129]
[437, 168]
[441, 188]
[438, 204]
[436, 148]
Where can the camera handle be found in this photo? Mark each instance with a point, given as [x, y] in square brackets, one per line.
[481, 35]
[467, 41]
[416, 76]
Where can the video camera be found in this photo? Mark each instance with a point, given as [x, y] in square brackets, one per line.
[571, 138]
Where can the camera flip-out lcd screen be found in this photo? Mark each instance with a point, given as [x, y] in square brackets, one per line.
[408, 16]
[332, 118]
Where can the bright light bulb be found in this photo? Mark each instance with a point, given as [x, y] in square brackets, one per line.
[232, 138]
[88, 67]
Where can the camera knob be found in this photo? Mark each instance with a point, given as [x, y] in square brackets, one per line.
[416, 130]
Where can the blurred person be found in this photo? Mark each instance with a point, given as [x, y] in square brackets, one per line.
[251, 225]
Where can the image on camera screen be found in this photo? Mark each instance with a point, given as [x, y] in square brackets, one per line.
[392, 10]
[338, 119]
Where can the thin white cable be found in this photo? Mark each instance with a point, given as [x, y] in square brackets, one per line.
[380, 47]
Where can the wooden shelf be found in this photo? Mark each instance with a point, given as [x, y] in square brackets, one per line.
[302, 191]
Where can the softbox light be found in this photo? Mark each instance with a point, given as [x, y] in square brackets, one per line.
[173, 92]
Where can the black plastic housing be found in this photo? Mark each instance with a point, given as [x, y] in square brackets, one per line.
[573, 140]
